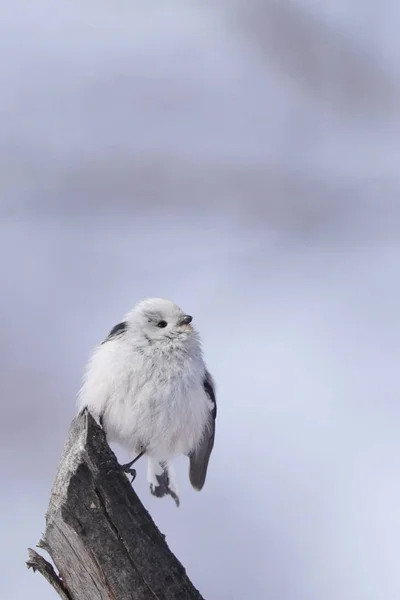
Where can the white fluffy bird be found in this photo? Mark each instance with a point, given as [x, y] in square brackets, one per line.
[148, 386]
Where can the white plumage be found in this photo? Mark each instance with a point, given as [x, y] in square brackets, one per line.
[148, 385]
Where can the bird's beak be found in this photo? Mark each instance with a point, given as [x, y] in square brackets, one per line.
[186, 320]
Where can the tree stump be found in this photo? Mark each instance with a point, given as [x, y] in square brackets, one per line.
[100, 537]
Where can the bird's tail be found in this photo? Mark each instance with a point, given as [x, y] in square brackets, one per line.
[161, 478]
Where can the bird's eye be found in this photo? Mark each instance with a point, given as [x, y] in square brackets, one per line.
[162, 324]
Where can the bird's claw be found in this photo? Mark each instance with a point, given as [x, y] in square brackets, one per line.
[127, 469]
[133, 473]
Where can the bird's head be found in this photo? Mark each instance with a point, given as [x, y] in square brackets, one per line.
[157, 319]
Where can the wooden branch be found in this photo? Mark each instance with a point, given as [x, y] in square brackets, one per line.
[100, 537]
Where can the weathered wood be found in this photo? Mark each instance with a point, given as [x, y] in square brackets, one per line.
[100, 537]
[38, 563]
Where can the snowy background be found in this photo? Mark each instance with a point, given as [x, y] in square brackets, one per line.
[242, 159]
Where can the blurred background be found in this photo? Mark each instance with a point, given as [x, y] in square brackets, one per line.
[241, 158]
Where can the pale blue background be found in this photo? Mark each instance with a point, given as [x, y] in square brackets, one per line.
[241, 158]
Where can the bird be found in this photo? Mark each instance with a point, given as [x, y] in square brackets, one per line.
[149, 388]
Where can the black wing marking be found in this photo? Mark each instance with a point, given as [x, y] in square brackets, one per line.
[200, 457]
[116, 331]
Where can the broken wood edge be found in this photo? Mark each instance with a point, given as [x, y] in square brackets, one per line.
[36, 562]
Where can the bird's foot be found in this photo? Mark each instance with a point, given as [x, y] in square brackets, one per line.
[129, 471]
[127, 468]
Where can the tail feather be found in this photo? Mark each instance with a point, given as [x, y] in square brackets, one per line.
[161, 478]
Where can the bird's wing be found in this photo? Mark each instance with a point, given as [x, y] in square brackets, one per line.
[95, 390]
[200, 457]
[115, 333]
